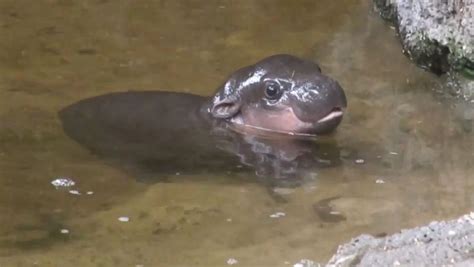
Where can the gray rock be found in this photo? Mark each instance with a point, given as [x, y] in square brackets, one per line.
[436, 34]
[439, 243]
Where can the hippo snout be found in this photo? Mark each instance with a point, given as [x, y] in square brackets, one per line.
[282, 94]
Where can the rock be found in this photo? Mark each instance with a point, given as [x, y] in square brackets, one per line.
[437, 35]
[436, 244]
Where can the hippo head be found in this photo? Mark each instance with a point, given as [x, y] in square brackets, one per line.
[282, 94]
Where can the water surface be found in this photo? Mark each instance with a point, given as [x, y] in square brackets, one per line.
[416, 144]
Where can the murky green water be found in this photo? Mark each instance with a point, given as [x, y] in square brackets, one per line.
[417, 146]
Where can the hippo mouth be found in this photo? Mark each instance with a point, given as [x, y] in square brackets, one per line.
[287, 122]
[336, 112]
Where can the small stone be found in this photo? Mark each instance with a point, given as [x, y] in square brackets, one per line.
[124, 219]
[379, 181]
[64, 231]
[229, 219]
[90, 193]
[360, 161]
[278, 215]
[63, 182]
[232, 261]
[74, 192]
[393, 153]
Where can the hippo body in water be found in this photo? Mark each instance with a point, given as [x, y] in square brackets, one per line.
[260, 118]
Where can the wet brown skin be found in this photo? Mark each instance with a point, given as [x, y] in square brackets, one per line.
[162, 132]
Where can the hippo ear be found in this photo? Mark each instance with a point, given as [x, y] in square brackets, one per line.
[226, 107]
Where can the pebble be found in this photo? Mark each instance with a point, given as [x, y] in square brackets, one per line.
[379, 181]
[232, 261]
[74, 192]
[64, 231]
[360, 161]
[63, 182]
[278, 215]
[124, 219]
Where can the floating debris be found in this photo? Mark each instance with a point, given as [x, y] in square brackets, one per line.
[124, 219]
[74, 192]
[232, 261]
[278, 215]
[178, 174]
[64, 231]
[393, 153]
[360, 161]
[90, 193]
[63, 182]
[229, 220]
[379, 181]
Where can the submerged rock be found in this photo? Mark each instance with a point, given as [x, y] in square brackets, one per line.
[437, 35]
[436, 244]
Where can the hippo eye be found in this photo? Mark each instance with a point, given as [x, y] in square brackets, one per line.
[272, 90]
